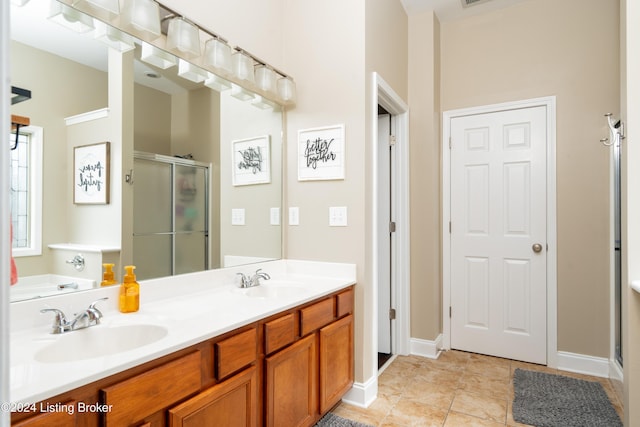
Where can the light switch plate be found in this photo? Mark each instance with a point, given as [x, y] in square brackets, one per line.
[294, 216]
[338, 216]
[237, 216]
[275, 216]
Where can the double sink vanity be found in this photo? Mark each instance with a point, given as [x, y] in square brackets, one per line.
[200, 351]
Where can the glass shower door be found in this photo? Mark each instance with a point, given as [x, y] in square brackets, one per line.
[191, 233]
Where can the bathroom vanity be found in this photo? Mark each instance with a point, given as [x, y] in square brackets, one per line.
[279, 354]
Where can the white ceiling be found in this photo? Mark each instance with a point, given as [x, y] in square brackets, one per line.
[448, 10]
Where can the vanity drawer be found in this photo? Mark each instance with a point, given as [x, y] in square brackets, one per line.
[279, 333]
[236, 352]
[316, 316]
[65, 417]
[140, 396]
[344, 302]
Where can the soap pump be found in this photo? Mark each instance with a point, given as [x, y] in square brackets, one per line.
[108, 278]
[129, 292]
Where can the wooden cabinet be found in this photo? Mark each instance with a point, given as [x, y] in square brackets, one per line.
[285, 370]
[59, 418]
[336, 361]
[132, 400]
[231, 403]
[291, 385]
[306, 379]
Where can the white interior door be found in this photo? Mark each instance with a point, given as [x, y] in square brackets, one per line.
[384, 244]
[498, 234]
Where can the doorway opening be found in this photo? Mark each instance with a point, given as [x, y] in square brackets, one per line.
[390, 249]
[386, 229]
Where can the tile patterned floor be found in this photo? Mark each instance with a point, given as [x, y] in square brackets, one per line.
[457, 389]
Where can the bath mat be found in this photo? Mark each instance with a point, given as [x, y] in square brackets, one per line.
[332, 420]
[548, 400]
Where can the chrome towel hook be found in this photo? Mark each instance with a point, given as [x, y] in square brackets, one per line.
[616, 130]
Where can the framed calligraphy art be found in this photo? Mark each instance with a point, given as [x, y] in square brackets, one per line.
[91, 174]
[251, 161]
[321, 154]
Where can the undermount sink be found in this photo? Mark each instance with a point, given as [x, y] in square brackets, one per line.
[99, 341]
[274, 290]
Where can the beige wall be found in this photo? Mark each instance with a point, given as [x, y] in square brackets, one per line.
[82, 89]
[630, 48]
[566, 49]
[424, 92]
[257, 238]
[152, 126]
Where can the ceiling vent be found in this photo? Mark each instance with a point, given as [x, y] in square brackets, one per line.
[468, 3]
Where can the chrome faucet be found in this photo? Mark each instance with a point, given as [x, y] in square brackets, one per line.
[247, 281]
[89, 317]
[77, 262]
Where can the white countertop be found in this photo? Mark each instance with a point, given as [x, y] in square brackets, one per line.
[192, 307]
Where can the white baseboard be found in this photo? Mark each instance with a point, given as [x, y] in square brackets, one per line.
[426, 348]
[362, 394]
[582, 364]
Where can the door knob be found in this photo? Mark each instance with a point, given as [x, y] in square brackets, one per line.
[537, 247]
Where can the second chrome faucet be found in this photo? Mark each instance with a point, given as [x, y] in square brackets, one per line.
[247, 281]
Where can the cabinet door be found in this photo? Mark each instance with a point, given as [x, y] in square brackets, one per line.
[231, 403]
[336, 362]
[291, 384]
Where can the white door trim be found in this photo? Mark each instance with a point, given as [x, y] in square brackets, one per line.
[552, 302]
[385, 96]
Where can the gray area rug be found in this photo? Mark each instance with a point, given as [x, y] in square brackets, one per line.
[332, 420]
[547, 400]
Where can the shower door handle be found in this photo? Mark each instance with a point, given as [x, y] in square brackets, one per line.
[537, 247]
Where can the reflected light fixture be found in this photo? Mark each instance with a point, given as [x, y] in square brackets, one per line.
[183, 36]
[188, 71]
[69, 17]
[241, 93]
[287, 89]
[142, 16]
[113, 37]
[217, 53]
[266, 79]
[158, 57]
[243, 66]
[217, 83]
[263, 103]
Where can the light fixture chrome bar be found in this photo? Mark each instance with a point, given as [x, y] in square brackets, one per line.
[168, 13]
[260, 61]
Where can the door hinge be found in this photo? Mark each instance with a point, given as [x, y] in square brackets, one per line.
[392, 227]
[450, 143]
[449, 227]
[449, 312]
[392, 314]
[392, 140]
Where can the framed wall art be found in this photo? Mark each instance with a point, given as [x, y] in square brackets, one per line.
[91, 165]
[321, 153]
[251, 161]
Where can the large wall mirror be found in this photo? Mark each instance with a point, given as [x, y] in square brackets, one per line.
[195, 173]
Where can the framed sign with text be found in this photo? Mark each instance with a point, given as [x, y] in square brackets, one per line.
[91, 174]
[251, 161]
[321, 153]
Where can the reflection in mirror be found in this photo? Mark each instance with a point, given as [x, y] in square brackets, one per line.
[69, 75]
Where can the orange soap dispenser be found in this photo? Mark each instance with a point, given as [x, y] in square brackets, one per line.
[108, 278]
[129, 292]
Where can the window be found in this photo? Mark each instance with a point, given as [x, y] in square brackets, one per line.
[26, 192]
